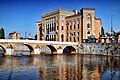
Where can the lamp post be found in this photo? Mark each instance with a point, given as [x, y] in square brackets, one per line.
[25, 34]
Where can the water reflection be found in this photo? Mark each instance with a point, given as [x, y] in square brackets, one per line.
[60, 67]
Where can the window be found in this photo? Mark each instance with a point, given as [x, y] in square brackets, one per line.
[74, 26]
[54, 28]
[78, 26]
[74, 39]
[70, 27]
[50, 28]
[88, 16]
[88, 32]
[74, 33]
[70, 39]
[67, 27]
[78, 33]
[78, 38]
[54, 38]
[88, 25]
[62, 28]
[62, 17]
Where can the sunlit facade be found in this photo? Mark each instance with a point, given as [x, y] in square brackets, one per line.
[69, 26]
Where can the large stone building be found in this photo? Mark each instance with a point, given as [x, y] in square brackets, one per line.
[72, 26]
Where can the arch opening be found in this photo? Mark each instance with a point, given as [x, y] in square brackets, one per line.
[2, 50]
[23, 49]
[30, 48]
[52, 48]
[69, 50]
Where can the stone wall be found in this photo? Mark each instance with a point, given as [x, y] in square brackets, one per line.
[100, 48]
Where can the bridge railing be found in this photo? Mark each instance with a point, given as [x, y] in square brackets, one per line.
[37, 41]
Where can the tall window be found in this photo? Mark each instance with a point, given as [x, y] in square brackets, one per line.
[78, 26]
[74, 39]
[88, 16]
[67, 27]
[78, 38]
[70, 39]
[52, 27]
[88, 25]
[74, 33]
[88, 32]
[62, 37]
[62, 27]
[74, 26]
[78, 33]
[70, 27]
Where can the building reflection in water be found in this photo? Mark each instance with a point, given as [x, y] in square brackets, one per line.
[60, 67]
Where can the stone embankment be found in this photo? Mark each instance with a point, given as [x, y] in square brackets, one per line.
[112, 49]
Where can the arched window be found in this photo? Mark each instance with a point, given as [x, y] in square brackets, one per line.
[88, 16]
[88, 32]
[88, 25]
[62, 37]
[62, 28]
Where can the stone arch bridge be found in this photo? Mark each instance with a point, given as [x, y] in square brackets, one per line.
[35, 46]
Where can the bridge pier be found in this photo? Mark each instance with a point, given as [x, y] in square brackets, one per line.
[9, 52]
[37, 51]
[60, 51]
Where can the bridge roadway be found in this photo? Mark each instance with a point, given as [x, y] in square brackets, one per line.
[35, 46]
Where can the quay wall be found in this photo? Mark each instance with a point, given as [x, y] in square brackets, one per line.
[112, 49]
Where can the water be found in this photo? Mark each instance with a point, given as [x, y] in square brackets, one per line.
[60, 67]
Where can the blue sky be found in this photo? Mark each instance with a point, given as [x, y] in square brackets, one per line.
[22, 15]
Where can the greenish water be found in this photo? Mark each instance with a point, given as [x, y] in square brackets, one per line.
[60, 67]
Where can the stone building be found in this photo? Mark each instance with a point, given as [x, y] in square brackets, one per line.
[14, 35]
[68, 26]
[118, 36]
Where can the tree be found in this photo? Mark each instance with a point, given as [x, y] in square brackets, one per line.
[102, 31]
[2, 34]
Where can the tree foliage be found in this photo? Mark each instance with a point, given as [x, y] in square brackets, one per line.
[2, 34]
[102, 31]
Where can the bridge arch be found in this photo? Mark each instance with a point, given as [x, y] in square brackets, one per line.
[30, 48]
[69, 49]
[3, 48]
[52, 48]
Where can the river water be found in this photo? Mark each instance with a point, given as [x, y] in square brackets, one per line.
[60, 67]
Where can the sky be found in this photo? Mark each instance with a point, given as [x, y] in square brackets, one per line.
[21, 15]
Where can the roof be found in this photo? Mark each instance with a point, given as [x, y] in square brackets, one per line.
[38, 21]
[88, 8]
[75, 15]
[60, 10]
[97, 18]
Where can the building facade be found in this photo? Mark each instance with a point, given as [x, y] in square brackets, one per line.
[14, 35]
[69, 26]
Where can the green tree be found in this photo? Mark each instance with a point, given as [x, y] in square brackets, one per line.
[102, 31]
[2, 34]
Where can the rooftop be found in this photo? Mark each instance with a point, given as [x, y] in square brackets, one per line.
[88, 8]
[60, 10]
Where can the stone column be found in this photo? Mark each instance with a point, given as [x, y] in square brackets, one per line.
[9, 52]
